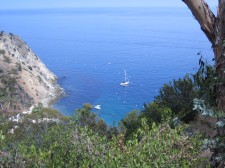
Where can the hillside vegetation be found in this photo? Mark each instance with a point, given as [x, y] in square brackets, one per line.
[70, 143]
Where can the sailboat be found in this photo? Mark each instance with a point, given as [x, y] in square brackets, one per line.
[126, 79]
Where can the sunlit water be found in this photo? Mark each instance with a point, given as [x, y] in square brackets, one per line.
[89, 48]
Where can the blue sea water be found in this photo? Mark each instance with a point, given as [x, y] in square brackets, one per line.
[89, 48]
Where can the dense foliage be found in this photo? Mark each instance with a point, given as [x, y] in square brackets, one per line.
[71, 145]
[178, 96]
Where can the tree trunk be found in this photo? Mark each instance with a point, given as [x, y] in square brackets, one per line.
[220, 67]
[214, 29]
[219, 52]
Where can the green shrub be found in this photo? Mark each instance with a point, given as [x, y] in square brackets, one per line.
[88, 106]
[178, 96]
[206, 81]
[84, 117]
[40, 112]
[153, 113]
[156, 113]
[130, 123]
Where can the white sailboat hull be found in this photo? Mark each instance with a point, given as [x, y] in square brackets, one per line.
[124, 83]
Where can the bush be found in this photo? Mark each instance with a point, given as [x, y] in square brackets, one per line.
[84, 117]
[130, 123]
[74, 146]
[155, 113]
[206, 81]
[40, 112]
[178, 96]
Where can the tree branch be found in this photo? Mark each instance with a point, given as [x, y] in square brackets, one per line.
[204, 16]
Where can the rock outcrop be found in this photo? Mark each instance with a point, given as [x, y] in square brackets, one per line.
[24, 79]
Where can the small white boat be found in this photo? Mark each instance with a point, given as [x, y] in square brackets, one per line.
[98, 107]
[126, 79]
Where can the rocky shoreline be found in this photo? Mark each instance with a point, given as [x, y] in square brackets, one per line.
[25, 77]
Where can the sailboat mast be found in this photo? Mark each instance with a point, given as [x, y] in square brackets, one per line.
[126, 79]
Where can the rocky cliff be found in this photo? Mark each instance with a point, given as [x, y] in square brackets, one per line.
[24, 79]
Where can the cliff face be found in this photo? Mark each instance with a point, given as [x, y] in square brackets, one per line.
[24, 79]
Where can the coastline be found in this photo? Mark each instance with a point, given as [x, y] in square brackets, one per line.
[59, 93]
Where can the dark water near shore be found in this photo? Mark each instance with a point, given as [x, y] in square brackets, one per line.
[89, 48]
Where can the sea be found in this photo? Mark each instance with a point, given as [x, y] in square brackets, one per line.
[89, 49]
